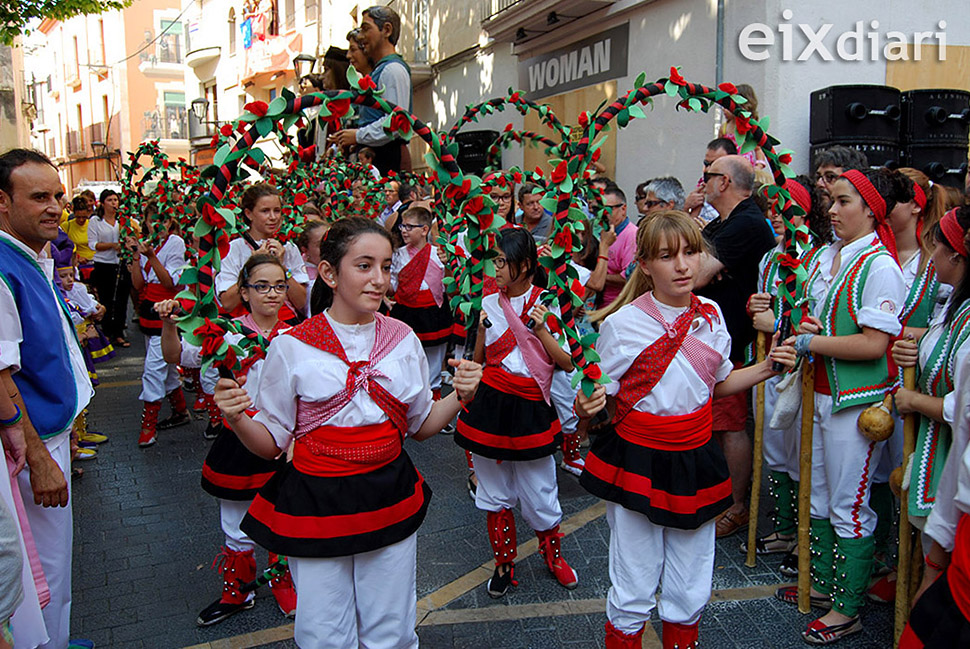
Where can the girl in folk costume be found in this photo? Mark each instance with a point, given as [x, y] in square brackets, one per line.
[936, 357]
[511, 428]
[262, 210]
[857, 294]
[416, 283]
[919, 206]
[941, 612]
[765, 308]
[231, 473]
[345, 388]
[661, 472]
[155, 272]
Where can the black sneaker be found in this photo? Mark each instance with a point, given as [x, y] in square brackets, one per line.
[174, 420]
[499, 584]
[212, 431]
[218, 611]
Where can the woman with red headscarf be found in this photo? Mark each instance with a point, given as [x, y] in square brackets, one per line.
[857, 294]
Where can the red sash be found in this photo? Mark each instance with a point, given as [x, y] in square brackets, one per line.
[153, 293]
[317, 332]
[958, 573]
[652, 362]
[668, 433]
[522, 386]
[410, 278]
[335, 451]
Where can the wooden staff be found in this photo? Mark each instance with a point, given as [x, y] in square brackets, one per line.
[805, 487]
[903, 573]
[758, 459]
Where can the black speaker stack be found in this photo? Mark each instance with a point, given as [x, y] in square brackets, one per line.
[473, 149]
[925, 129]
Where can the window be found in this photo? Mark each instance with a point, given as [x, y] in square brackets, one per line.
[170, 43]
[310, 11]
[290, 10]
[232, 31]
[176, 126]
[212, 115]
[421, 21]
[104, 58]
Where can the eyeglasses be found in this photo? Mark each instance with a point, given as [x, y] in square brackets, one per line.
[640, 197]
[613, 207]
[263, 289]
[407, 227]
[500, 262]
[827, 178]
[711, 174]
[502, 197]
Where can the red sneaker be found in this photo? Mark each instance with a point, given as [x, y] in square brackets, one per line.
[550, 549]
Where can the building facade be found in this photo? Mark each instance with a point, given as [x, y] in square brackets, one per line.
[102, 84]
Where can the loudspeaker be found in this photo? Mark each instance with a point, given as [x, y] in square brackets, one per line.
[943, 163]
[472, 150]
[936, 116]
[857, 113]
[879, 154]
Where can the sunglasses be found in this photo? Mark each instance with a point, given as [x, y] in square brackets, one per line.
[711, 174]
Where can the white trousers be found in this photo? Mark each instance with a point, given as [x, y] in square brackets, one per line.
[53, 529]
[562, 395]
[780, 445]
[436, 358]
[843, 463]
[365, 600]
[231, 514]
[208, 379]
[28, 620]
[892, 453]
[158, 378]
[643, 556]
[502, 485]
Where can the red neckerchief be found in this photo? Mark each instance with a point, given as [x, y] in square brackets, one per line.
[318, 332]
[652, 362]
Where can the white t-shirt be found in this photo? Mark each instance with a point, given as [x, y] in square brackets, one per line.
[240, 252]
[514, 363]
[172, 257]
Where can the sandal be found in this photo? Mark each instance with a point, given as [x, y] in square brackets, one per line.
[789, 565]
[472, 486]
[789, 595]
[773, 543]
[121, 342]
[818, 633]
[730, 523]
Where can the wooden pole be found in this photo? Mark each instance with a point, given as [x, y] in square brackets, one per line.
[758, 457]
[903, 567]
[805, 487]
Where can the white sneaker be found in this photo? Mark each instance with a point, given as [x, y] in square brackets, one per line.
[573, 466]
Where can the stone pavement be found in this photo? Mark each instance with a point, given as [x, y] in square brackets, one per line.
[146, 535]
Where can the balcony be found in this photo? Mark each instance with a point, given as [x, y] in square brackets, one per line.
[519, 21]
[270, 58]
[201, 56]
[74, 144]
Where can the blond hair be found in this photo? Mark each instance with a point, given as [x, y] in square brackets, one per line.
[931, 214]
[662, 230]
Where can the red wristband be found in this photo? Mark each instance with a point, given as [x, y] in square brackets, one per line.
[603, 257]
[934, 565]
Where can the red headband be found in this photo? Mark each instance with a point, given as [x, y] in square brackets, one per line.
[954, 234]
[919, 195]
[877, 204]
[800, 195]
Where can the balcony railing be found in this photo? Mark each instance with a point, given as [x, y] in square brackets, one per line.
[74, 143]
[491, 8]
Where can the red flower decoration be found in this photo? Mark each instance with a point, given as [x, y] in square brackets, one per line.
[223, 244]
[212, 217]
[475, 205]
[307, 154]
[366, 83]
[742, 124]
[560, 173]
[299, 199]
[596, 154]
[508, 127]
[210, 345]
[584, 119]
[785, 158]
[564, 239]
[675, 77]
[729, 88]
[485, 220]
[517, 177]
[593, 372]
[208, 329]
[257, 108]
[400, 123]
[339, 107]
[514, 97]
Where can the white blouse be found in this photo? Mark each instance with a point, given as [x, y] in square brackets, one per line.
[172, 258]
[294, 370]
[680, 391]
[513, 363]
[240, 252]
[100, 232]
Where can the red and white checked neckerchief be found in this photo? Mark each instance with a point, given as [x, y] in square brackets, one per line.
[497, 351]
[652, 362]
[361, 375]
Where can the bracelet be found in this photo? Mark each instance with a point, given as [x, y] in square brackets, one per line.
[603, 257]
[934, 565]
[802, 343]
[13, 420]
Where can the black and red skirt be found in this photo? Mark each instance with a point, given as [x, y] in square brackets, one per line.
[312, 509]
[232, 472]
[508, 420]
[430, 322]
[669, 469]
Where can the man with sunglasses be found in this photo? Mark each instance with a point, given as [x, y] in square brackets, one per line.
[380, 29]
[739, 237]
[659, 194]
[695, 203]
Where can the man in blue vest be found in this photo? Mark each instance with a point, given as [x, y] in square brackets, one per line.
[41, 367]
[380, 29]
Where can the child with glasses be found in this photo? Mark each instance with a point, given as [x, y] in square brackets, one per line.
[231, 472]
[417, 277]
